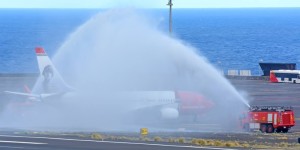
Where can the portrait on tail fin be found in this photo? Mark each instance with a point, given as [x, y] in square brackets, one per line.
[48, 74]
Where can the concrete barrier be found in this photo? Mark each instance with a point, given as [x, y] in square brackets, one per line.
[233, 72]
[265, 78]
[245, 72]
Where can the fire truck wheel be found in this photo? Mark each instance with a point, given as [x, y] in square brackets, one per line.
[263, 128]
[285, 130]
[270, 129]
[278, 130]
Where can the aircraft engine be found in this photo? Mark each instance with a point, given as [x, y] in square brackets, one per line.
[169, 113]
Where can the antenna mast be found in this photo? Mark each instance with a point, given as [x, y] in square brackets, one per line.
[170, 16]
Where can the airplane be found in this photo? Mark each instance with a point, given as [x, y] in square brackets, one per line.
[168, 104]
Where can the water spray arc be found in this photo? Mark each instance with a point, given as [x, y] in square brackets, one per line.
[118, 60]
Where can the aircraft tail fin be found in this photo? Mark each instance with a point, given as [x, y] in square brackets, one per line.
[44, 62]
[50, 80]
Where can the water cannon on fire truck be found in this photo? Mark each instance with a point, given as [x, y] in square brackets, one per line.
[268, 119]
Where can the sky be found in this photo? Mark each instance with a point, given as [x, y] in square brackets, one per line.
[146, 3]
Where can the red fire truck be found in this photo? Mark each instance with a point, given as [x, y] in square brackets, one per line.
[268, 119]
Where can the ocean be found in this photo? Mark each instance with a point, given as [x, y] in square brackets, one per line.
[229, 38]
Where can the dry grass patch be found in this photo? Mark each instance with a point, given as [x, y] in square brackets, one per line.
[283, 138]
[96, 136]
[181, 140]
[145, 139]
[232, 144]
[171, 140]
[82, 135]
[259, 146]
[283, 144]
[111, 138]
[157, 139]
[217, 143]
[194, 141]
[245, 145]
[201, 142]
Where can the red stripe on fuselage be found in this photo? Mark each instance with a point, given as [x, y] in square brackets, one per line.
[193, 103]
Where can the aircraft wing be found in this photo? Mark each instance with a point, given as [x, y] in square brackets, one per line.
[36, 97]
[22, 94]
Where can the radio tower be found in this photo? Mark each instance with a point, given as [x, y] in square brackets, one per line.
[170, 16]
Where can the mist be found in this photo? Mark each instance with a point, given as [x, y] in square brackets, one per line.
[123, 50]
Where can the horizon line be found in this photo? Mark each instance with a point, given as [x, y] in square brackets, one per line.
[142, 7]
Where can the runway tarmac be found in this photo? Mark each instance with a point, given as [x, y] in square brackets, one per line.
[14, 142]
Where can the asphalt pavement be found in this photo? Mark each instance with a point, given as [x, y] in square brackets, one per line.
[13, 142]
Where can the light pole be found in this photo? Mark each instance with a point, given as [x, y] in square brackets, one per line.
[170, 16]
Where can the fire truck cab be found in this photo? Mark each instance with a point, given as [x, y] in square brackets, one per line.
[268, 119]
